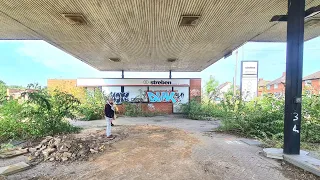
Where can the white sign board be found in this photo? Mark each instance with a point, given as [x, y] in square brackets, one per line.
[249, 68]
[133, 82]
[249, 80]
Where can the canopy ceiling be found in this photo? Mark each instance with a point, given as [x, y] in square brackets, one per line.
[143, 34]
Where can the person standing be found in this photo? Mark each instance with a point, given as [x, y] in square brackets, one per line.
[109, 115]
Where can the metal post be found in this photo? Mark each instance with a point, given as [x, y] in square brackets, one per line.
[170, 75]
[235, 75]
[293, 91]
[122, 75]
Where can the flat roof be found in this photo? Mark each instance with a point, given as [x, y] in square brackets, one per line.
[145, 34]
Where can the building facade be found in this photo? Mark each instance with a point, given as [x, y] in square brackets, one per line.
[310, 84]
[262, 86]
[277, 86]
[155, 95]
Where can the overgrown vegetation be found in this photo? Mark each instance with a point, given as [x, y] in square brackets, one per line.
[262, 118]
[135, 110]
[92, 108]
[41, 114]
[3, 92]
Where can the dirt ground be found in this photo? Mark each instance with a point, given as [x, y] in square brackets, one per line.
[148, 152]
[156, 152]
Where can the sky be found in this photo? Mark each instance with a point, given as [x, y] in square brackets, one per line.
[24, 62]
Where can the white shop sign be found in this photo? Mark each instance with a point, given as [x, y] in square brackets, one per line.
[249, 68]
[133, 82]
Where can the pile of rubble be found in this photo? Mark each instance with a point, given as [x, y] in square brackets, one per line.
[70, 148]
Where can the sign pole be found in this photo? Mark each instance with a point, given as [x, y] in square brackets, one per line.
[293, 91]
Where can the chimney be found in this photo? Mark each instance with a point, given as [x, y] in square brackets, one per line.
[283, 74]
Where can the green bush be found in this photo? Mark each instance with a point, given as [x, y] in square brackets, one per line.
[3, 92]
[135, 110]
[41, 115]
[93, 106]
[261, 118]
[201, 111]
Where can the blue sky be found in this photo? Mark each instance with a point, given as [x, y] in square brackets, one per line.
[24, 62]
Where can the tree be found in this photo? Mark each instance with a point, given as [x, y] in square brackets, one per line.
[211, 87]
[3, 91]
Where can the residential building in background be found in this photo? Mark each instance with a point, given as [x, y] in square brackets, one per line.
[21, 94]
[223, 88]
[311, 83]
[277, 86]
[262, 86]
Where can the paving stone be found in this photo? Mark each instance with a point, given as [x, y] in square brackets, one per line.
[12, 169]
[277, 153]
[274, 153]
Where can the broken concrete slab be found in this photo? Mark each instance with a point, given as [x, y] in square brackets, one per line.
[252, 142]
[277, 153]
[13, 153]
[274, 153]
[12, 169]
[305, 162]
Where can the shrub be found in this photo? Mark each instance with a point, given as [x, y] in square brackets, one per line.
[93, 106]
[261, 118]
[264, 118]
[135, 110]
[41, 115]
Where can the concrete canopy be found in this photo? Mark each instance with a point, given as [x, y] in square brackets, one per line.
[145, 33]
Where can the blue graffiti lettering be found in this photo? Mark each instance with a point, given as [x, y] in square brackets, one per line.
[162, 97]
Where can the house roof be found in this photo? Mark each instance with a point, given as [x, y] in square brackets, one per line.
[262, 82]
[315, 75]
[281, 79]
[223, 85]
[146, 35]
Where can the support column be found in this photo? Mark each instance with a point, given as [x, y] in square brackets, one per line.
[295, 40]
[122, 76]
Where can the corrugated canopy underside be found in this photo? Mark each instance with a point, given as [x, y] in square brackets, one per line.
[145, 33]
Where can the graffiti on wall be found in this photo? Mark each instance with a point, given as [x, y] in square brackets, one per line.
[142, 97]
[165, 96]
[120, 97]
[195, 92]
[151, 107]
[148, 96]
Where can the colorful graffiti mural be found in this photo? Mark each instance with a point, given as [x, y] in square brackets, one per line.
[148, 96]
[165, 96]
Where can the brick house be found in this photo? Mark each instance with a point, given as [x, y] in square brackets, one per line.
[311, 83]
[277, 86]
[262, 86]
